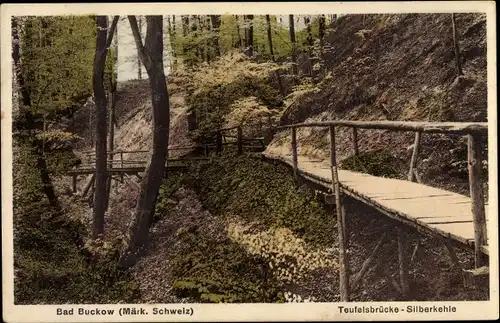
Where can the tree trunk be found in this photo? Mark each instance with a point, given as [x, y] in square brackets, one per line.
[112, 117]
[103, 42]
[321, 31]
[294, 49]
[216, 22]
[139, 65]
[249, 35]
[271, 51]
[194, 31]
[309, 43]
[238, 43]
[185, 31]
[32, 124]
[152, 56]
[171, 37]
[455, 44]
[204, 28]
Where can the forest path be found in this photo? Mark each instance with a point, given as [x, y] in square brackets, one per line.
[445, 213]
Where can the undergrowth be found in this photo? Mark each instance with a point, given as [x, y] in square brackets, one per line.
[52, 266]
[256, 191]
[236, 187]
[378, 162]
[215, 272]
[219, 94]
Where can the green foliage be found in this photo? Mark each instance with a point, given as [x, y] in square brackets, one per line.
[230, 186]
[165, 202]
[57, 59]
[379, 162]
[258, 191]
[198, 40]
[213, 104]
[56, 64]
[51, 264]
[221, 272]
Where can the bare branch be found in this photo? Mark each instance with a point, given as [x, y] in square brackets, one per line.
[112, 31]
[146, 60]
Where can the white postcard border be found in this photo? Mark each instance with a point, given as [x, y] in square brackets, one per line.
[246, 312]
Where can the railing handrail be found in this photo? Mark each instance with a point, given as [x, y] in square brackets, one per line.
[92, 152]
[416, 126]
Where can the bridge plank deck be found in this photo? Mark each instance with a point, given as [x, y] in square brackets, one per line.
[446, 213]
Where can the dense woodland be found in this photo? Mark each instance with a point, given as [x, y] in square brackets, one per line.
[252, 71]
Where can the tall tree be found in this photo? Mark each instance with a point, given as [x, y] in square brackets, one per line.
[151, 54]
[185, 31]
[249, 35]
[455, 44]
[103, 42]
[216, 22]
[112, 107]
[271, 51]
[321, 31]
[309, 43]
[294, 49]
[53, 72]
[238, 42]
[171, 37]
[195, 33]
[37, 145]
[139, 65]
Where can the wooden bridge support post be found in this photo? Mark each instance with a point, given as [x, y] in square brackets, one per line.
[218, 142]
[343, 262]
[414, 157]
[88, 185]
[364, 268]
[74, 183]
[240, 140]
[477, 198]
[355, 149]
[403, 264]
[121, 164]
[294, 154]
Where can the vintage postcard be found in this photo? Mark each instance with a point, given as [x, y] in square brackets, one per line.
[265, 161]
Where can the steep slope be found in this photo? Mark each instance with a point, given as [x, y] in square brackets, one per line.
[398, 67]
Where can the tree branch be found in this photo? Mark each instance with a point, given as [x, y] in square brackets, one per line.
[146, 60]
[111, 32]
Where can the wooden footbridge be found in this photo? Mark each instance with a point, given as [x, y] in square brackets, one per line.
[436, 211]
[127, 163]
[449, 215]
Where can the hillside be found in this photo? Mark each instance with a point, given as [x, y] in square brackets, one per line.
[398, 67]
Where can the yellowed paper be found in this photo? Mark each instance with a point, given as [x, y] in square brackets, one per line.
[303, 311]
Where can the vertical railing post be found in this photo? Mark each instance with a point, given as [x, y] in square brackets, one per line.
[294, 154]
[414, 157]
[74, 183]
[355, 149]
[121, 164]
[343, 262]
[477, 197]
[403, 263]
[240, 140]
[218, 142]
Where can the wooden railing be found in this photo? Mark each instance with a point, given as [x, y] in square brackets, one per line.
[473, 130]
[90, 157]
[223, 138]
